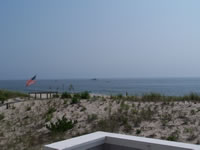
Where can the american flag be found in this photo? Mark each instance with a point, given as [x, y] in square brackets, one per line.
[31, 81]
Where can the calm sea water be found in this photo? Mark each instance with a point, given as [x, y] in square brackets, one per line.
[137, 86]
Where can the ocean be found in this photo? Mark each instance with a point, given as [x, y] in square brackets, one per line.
[135, 86]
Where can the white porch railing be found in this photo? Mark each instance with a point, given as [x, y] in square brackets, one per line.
[112, 141]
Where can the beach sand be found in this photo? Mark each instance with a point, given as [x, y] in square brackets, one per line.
[23, 124]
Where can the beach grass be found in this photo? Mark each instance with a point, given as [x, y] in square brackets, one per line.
[157, 97]
[5, 94]
[173, 118]
[80, 95]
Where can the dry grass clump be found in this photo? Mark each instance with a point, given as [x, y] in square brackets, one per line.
[5, 95]
[157, 97]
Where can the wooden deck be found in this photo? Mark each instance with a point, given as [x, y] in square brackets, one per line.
[43, 95]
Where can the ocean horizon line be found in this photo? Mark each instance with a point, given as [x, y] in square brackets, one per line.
[104, 78]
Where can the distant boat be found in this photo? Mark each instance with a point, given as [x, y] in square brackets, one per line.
[94, 79]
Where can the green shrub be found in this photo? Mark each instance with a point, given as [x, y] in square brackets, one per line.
[65, 101]
[61, 125]
[49, 114]
[56, 96]
[138, 131]
[51, 110]
[48, 117]
[82, 95]
[4, 94]
[173, 136]
[1, 116]
[2, 98]
[66, 95]
[119, 96]
[127, 128]
[74, 100]
[77, 95]
[85, 95]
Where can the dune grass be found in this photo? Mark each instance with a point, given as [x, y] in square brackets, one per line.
[5, 94]
[157, 97]
[81, 95]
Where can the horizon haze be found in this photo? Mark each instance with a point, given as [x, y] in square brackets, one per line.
[99, 39]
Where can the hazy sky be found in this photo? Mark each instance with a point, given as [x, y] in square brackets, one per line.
[99, 38]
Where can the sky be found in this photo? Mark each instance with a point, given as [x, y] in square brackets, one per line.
[61, 39]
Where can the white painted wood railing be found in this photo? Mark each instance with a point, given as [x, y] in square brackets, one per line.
[95, 141]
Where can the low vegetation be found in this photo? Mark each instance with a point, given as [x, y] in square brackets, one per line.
[66, 95]
[81, 95]
[4, 95]
[61, 125]
[75, 100]
[34, 123]
[173, 136]
[156, 97]
[91, 118]
[49, 114]
[1, 117]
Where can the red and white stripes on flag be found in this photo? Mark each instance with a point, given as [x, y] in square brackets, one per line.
[31, 81]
